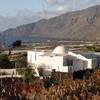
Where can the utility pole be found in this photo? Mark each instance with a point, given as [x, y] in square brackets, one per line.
[3, 42]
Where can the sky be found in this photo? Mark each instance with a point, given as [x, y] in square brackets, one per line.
[18, 12]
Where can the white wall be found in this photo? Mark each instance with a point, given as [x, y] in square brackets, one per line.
[56, 62]
[78, 65]
[80, 62]
[89, 64]
[32, 56]
[92, 63]
[50, 62]
[8, 71]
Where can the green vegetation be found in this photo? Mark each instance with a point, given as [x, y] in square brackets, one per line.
[20, 63]
[18, 60]
[4, 61]
[27, 73]
[93, 48]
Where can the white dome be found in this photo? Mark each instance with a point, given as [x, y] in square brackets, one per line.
[59, 50]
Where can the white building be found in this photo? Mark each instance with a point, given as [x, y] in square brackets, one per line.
[61, 60]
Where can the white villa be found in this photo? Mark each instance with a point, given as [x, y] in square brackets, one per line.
[62, 60]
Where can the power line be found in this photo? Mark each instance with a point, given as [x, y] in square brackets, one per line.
[43, 8]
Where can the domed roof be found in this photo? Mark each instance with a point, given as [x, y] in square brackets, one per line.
[59, 50]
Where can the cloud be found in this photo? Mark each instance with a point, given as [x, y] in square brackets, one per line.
[73, 4]
[61, 8]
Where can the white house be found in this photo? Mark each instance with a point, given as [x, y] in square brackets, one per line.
[61, 60]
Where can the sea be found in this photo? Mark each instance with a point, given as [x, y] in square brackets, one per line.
[7, 40]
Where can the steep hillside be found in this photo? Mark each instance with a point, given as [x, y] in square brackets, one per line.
[83, 25]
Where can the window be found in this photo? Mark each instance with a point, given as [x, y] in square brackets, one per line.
[68, 62]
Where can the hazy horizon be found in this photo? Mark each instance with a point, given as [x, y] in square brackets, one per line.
[18, 12]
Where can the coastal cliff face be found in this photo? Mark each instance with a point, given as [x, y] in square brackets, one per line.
[82, 25]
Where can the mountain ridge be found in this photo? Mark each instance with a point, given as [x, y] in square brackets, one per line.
[83, 25]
